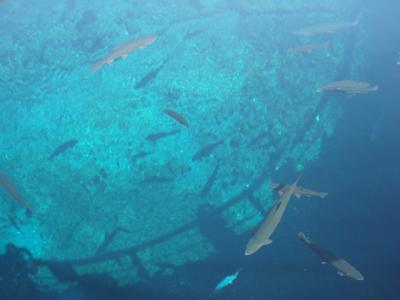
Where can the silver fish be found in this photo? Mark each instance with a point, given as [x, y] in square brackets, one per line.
[268, 226]
[343, 267]
[348, 86]
[308, 48]
[228, 280]
[123, 50]
[324, 28]
[300, 191]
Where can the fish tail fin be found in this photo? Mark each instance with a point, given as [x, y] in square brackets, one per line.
[303, 237]
[96, 66]
[298, 178]
[323, 195]
[357, 20]
[375, 88]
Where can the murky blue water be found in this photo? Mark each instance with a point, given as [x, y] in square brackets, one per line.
[139, 140]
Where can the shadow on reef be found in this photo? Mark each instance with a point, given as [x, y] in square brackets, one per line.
[194, 280]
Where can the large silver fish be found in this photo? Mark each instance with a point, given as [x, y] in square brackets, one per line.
[300, 191]
[268, 226]
[123, 50]
[348, 86]
[343, 267]
[308, 48]
[324, 28]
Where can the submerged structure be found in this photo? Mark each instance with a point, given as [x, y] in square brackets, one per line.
[117, 201]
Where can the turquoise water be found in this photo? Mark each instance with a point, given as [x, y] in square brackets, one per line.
[148, 176]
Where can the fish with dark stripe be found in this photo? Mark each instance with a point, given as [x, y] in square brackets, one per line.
[176, 116]
[63, 147]
[343, 267]
[206, 151]
[160, 135]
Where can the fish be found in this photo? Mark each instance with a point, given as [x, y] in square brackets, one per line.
[300, 191]
[228, 280]
[193, 33]
[348, 86]
[62, 148]
[122, 51]
[343, 267]
[210, 182]
[324, 28]
[178, 117]
[268, 226]
[159, 135]
[308, 48]
[7, 185]
[149, 77]
[141, 154]
[206, 151]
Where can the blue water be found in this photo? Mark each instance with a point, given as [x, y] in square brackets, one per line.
[121, 208]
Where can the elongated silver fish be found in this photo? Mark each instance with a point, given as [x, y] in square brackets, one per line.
[300, 191]
[123, 50]
[308, 48]
[348, 86]
[324, 28]
[343, 267]
[268, 226]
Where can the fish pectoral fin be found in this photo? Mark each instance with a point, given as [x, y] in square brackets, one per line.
[298, 195]
[323, 262]
[340, 273]
[280, 193]
[124, 56]
[267, 242]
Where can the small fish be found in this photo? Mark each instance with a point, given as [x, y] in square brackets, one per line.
[206, 151]
[123, 50]
[103, 173]
[307, 48]
[62, 148]
[348, 86]
[228, 280]
[324, 28]
[159, 135]
[176, 116]
[210, 182]
[5, 182]
[343, 267]
[149, 77]
[193, 33]
[141, 154]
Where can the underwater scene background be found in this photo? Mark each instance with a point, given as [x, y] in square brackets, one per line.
[139, 140]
